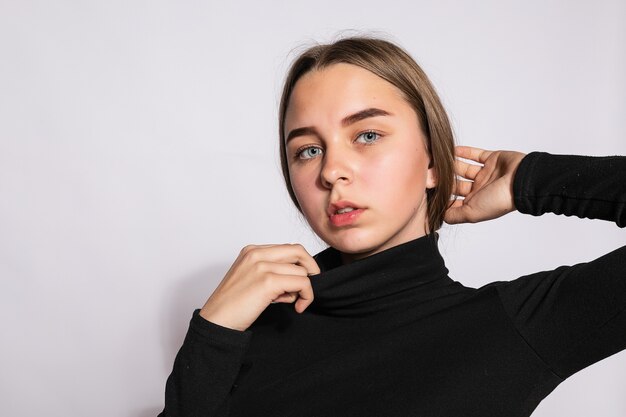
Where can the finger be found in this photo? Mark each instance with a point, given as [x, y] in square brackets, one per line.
[285, 298]
[454, 213]
[305, 260]
[282, 268]
[462, 188]
[458, 212]
[246, 250]
[466, 170]
[473, 153]
[301, 286]
[286, 253]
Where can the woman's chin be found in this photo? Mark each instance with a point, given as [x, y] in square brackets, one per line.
[354, 245]
[359, 243]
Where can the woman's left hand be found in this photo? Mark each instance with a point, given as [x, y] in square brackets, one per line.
[489, 194]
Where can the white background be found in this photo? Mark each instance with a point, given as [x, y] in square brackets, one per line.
[138, 154]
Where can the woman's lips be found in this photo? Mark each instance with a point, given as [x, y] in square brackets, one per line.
[345, 219]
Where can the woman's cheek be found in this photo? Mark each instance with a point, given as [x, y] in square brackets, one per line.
[299, 182]
[385, 169]
[306, 193]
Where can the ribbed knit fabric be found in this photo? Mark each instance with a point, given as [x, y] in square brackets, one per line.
[393, 335]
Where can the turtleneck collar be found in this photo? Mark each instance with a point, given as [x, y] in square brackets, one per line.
[385, 281]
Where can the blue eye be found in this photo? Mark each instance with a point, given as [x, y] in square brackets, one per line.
[309, 152]
[369, 137]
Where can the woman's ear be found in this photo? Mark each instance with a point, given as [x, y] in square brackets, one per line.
[431, 177]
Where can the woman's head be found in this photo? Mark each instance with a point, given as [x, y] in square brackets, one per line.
[393, 159]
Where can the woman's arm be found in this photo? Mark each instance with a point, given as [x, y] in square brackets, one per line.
[592, 187]
[572, 316]
[573, 185]
[207, 365]
[205, 370]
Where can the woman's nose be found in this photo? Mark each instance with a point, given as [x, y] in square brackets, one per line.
[335, 167]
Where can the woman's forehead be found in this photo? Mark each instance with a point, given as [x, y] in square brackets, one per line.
[328, 95]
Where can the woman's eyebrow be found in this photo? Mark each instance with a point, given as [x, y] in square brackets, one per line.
[346, 121]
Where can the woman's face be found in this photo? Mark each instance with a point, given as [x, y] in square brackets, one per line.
[354, 143]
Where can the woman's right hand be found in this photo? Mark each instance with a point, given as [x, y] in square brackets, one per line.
[260, 275]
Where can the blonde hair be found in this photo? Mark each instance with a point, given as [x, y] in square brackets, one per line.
[395, 65]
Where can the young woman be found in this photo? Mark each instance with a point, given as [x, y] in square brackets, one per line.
[373, 325]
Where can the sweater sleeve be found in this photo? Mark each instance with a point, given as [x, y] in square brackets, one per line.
[572, 316]
[573, 185]
[205, 370]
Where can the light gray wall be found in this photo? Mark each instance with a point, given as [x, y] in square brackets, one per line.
[138, 154]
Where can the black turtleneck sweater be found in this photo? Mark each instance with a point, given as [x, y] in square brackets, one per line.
[393, 335]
